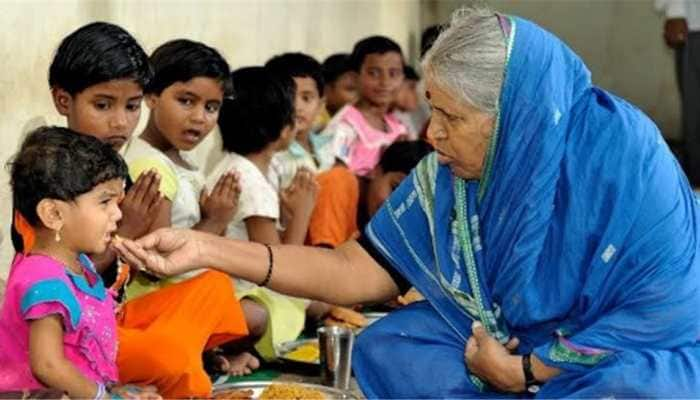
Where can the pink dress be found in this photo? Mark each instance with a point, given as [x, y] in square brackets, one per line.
[356, 143]
[39, 286]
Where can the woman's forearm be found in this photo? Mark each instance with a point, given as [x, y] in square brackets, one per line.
[511, 377]
[346, 275]
[541, 371]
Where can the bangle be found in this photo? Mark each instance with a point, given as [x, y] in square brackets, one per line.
[270, 263]
[101, 390]
[532, 385]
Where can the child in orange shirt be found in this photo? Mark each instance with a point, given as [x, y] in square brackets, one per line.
[346, 201]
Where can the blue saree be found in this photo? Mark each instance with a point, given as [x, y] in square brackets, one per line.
[580, 239]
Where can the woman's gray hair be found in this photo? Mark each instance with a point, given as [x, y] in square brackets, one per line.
[468, 58]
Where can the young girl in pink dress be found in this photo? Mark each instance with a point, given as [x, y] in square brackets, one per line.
[57, 322]
[360, 132]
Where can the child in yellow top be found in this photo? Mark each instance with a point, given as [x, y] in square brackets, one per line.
[185, 95]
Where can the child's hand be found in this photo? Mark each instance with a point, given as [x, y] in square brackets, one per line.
[135, 392]
[300, 196]
[412, 296]
[347, 317]
[140, 205]
[221, 204]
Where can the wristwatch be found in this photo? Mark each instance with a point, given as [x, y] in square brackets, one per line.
[532, 385]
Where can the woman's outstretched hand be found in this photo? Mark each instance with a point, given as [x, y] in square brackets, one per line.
[165, 252]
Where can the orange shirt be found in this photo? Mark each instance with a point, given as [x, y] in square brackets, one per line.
[334, 219]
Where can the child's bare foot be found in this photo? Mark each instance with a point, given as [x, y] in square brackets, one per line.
[238, 365]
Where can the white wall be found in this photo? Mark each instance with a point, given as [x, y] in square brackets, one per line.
[246, 32]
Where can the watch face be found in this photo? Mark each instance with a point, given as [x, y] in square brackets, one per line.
[533, 389]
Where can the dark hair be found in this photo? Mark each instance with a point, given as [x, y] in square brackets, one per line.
[262, 106]
[372, 45]
[404, 156]
[181, 60]
[298, 65]
[427, 38]
[410, 74]
[58, 163]
[334, 66]
[96, 53]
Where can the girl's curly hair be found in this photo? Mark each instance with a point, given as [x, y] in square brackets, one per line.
[58, 163]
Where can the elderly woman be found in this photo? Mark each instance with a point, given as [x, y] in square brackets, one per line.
[552, 233]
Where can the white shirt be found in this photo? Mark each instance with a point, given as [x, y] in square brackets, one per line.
[688, 9]
[258, 196]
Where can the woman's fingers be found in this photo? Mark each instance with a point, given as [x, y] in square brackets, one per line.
[470, 350]
[127, 254]
[512, 344]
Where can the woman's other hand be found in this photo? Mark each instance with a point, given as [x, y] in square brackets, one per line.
[493, 362]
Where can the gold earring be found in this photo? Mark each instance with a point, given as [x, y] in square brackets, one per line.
[58, 236]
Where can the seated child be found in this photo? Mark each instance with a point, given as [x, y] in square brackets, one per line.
[307, 150]
[339, 212]
[421, 116]
[189, 84]
[97, 79]
[57, 323]
[254, 125]
[361, 131]
[406, 103]
[184, 97]
[340, 84]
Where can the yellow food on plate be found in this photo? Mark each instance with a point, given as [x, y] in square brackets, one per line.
[291, 391]
[308, 352]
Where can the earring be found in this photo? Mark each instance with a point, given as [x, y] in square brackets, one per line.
[58, 236]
